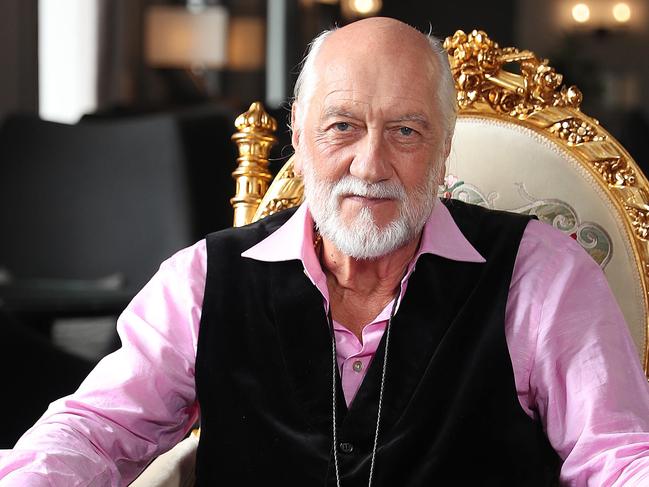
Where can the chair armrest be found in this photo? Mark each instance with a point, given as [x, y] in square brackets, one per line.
[172, 469]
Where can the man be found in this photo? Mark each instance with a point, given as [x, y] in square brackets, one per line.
[375, 336]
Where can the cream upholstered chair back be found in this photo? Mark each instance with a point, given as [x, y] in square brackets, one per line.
[521, 144]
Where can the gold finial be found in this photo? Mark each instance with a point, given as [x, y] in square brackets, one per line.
[256, 119]
[254, 139]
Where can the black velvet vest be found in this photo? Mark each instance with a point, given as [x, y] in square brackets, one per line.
[450, 416]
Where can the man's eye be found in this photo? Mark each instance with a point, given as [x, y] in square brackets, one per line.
[405, 131]
[342, 126]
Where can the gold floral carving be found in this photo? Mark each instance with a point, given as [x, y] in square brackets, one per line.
[477, 65]
[616, 171]
[639, 220]
[575, 131]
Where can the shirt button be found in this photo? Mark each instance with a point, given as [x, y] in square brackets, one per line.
[357, 366]
[346, 447]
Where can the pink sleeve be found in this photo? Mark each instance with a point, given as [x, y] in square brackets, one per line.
[575, 364]
[137, 402]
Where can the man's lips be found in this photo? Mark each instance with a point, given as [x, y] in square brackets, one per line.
[366, 200]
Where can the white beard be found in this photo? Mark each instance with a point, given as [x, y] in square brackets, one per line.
[361, 238]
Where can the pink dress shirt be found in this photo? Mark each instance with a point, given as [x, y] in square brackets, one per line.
[575, 366]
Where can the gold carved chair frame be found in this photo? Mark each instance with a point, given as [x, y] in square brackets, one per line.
[532, 98]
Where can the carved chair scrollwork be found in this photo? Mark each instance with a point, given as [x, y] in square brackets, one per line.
[521, 144]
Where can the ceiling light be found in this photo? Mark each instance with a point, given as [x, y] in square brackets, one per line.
[622, 12]
[581, 13]
[367, 7]
[360, 8]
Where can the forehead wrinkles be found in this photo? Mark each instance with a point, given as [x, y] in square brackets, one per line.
[362, 77]
[344, 100]
[376, 60]
[341, 102]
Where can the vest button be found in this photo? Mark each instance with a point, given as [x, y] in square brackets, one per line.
[346, 447]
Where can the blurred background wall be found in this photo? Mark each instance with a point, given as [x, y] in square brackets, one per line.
[604, 57]
[18, 56]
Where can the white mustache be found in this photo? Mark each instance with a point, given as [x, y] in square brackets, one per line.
[351, 186]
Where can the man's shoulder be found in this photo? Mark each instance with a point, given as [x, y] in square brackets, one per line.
[476, 213]
[540, 245]
[482, 225]
[536, 233]
[242, 238]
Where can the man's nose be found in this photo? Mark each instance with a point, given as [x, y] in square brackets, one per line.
[371, 162]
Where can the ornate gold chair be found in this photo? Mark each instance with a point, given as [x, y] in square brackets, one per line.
[521, 144]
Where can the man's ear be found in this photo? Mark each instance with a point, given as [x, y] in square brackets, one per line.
[447, 146]
[295, 128]
[441, 170]
[295, 138]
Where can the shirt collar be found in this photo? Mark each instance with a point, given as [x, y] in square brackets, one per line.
[287, 242]
[441, 236]
[294, 240]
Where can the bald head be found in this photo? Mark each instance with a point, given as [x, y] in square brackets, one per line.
[377, 40]
[383, 48]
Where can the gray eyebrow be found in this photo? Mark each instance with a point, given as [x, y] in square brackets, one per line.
[336, 111]
[414, 117]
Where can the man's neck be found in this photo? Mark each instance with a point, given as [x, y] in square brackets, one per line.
[366, 276]
[360, 289]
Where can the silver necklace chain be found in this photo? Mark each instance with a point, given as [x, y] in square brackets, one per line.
[381, 390]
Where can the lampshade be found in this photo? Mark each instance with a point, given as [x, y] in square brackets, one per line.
[180, 38]
[247, 49]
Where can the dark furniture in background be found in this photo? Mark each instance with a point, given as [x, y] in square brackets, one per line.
[87, 214]
[34, 373]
